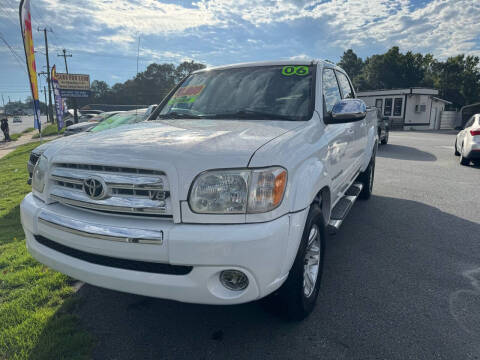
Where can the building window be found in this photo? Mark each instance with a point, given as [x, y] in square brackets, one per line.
[420, 108]
[397, 107]
[388, 107]
[379, 104]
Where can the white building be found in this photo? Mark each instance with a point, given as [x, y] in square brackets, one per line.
[413, 108]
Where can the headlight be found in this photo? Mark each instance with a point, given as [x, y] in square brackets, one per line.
[38, 177]
[238, 191]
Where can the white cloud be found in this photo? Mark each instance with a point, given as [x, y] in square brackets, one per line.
[149, 17]
[444, 27]
[301, 57]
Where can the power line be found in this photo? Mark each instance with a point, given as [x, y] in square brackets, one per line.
[19, 60]
[12, 50]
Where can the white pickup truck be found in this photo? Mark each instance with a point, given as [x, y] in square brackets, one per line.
[225, 195]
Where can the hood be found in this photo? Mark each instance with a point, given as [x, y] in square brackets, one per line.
[181, 148]
[81, 126]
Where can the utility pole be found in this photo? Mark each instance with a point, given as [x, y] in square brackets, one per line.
[45, 93]
[44, 90]
[65, 55]
[50, 109]
[4, 108]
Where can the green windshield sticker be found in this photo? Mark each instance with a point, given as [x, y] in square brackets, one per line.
[186, 94]
[295, 70]
[182, 100]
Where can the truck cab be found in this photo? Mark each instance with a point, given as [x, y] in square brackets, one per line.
[225, 195]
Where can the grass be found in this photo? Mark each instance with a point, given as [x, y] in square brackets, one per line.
[15, 137]
[30, 129]
[49, 130]
[36, 303]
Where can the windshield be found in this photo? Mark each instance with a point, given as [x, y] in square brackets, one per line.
[260, 92]
[118, 120]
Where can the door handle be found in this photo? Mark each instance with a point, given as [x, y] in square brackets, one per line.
[349, 131]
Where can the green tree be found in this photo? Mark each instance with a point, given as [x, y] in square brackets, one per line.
[186, 68]
[352, 64]
[99, 89]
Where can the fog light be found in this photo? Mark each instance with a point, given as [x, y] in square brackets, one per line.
[234, 280]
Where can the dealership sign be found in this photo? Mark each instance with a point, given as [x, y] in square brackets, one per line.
[73, 85]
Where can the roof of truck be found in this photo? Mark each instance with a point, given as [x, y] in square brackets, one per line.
[269, 63]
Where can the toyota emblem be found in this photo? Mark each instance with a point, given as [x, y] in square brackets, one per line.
[95, 188]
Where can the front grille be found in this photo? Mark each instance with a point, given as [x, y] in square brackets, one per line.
[125, 189]
[149, 267]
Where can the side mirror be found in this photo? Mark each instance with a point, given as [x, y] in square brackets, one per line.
[347, 110]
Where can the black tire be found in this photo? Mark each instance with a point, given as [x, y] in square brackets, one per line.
[463, 160]
[366, 178]
[456, 151]
[290, 300]
[385, 139]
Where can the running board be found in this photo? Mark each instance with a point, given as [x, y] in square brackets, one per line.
[343, 206]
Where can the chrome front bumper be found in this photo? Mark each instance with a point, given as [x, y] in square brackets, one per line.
[103, 232]
[263, 251]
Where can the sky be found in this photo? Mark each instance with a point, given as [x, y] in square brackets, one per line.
[103, 35]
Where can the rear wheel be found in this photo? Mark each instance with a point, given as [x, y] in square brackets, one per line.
[456, 151]
[297, 296]
[463, 160]
[385, 139]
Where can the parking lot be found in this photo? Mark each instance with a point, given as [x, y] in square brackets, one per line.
[401, 280]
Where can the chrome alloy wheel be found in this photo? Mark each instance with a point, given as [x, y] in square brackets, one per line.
[311, 261]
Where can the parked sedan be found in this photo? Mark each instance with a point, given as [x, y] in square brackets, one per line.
[124, 118]
[467, 143]
[90, 123]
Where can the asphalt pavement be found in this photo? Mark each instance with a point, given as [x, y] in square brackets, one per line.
[401, 281]
[27, 122]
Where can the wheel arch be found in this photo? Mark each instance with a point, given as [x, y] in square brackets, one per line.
[324, 200]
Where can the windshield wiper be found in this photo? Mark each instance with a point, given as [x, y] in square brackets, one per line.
[249, 114]
[178, 115]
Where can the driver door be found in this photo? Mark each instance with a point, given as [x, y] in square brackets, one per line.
[340, 137]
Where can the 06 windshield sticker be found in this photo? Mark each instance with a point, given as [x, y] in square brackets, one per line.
[295, 70]
[187, 94]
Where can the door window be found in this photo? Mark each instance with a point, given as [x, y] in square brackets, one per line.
[397, 107]
[331, 92]
[345, 86]
[388, 107]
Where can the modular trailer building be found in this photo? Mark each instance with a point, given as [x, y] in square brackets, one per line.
[413, 108]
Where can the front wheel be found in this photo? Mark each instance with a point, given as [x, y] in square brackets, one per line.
[297, 296]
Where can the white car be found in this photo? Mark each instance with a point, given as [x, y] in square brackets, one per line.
[467, 143]
[224, 196]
